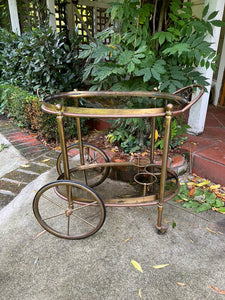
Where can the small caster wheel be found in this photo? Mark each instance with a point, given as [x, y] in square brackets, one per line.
[161, 230]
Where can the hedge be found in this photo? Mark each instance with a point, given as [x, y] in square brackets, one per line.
[25, 109]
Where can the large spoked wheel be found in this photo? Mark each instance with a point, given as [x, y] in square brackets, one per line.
[92, 155]
[69, 209]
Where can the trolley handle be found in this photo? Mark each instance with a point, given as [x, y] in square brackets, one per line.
[185, 101]
[40, 98]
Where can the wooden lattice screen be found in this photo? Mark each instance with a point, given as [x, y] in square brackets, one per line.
[87, 30]
[91, 18]
[31, 13]
[60, 15]
[88, 16]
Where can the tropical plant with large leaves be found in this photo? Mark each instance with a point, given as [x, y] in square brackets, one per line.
[152, 44]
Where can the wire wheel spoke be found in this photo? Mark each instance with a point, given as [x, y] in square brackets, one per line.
[92, 160]
[83, 220]
[53, 202]
[84, 206]
[55, 216]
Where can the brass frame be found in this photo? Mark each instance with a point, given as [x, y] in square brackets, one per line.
[181, 105]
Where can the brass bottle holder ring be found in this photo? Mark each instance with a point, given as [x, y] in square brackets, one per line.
[151, 169]
[140, 162]
[145, 179]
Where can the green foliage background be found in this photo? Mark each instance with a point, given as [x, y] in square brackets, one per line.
[38, 59]
[151, 45]
[142, 55]
[25, 109]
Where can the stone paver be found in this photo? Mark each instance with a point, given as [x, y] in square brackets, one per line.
[27, 158]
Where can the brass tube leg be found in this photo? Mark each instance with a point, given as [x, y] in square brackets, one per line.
[152, 140]
[144, 190]
[65, 158]
[159, 226]
[63, 144]
[153, 121]
[152, 148]
[81, 149]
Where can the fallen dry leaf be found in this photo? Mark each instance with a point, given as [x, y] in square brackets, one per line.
[218, 290]
[203, 183]
[139, 293]
[180, 283]
[44, 160]
[210, 230]
[144, 154]
[25, 166]
[126, 240]
[137, 265]
[195, 175]
[193, 179]
[191, 240]
[57, 148]
[160, 266]
[214, 187]
[218, 194]
[192, 192]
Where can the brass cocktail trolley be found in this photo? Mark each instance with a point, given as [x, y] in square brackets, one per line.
[70, 207]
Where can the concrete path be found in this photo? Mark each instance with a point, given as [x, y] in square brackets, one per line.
[99, 267]
[22, 159]
[10, 158]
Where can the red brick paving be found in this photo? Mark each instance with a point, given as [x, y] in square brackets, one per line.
[207, 150]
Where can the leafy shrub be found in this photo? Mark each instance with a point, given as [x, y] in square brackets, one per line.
[40, 58]
[25, 109]
[151, 46]
[13, 102]
[124, 133]
[144, 54]
[4, 14]
[177, 130]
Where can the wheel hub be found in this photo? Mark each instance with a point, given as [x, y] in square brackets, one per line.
[68, 212]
